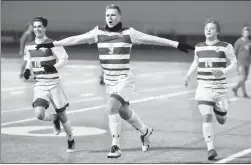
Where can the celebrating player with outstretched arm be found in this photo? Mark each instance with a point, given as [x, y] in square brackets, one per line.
[210, 60]
[114, 44]
[44, 64]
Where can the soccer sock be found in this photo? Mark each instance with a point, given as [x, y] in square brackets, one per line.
[68, 130]
[115, 128]
[49, 117]
[137, 123]
[208, 135]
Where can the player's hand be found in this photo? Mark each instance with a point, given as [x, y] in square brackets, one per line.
[185, 47]
[46, 45]
[218, 73]
[27, 74]
[49, 68]
[187, 78]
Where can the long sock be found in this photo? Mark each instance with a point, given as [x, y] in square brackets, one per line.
[49, 117]
[68, 130]
[243, 88]
[115, 128]
[208, 135]
[137, 123]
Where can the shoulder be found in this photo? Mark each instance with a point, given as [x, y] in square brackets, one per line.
[201, 44]
[31, 43]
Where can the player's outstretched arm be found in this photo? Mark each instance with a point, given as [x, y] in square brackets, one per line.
[88, 37]
[142, 38]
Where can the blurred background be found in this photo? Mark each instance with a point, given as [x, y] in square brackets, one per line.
[177, 20]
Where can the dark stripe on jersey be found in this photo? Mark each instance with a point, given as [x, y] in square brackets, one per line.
[205, 73]
[115, 69]
[211, 79]
[202, 44]
[116, 50]
[214, 65]
[40, 53]
[46, 78]
[49, 62]
[220, 113]
[115, 61]
[114, 39]
[206, 102]
[116, 74]
[210, 54]
[39, 72]
[110, 80]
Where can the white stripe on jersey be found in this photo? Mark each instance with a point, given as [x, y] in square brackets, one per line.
[204, 59]
[215, 48]
[47, 76]
[118, 44]
[209, 77]
[43, 58]
[207, 69]
[111, 57]
[38, 69]
[115, 73]
[115, 66]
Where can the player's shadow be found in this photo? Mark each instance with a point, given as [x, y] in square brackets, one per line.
[167, 148]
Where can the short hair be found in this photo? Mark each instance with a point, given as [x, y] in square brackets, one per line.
[245, 28]
[113, 6]
[214, 21]
[41, 19]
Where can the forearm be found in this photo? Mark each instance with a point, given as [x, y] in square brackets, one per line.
[28, 64]
[154, 40]
[61, 63]
[74, 40]
[192, 68]
[230, 67]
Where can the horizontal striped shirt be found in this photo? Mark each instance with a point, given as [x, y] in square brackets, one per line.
[37, 58]
[213, 57]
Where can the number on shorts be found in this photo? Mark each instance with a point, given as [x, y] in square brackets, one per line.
[111, 49]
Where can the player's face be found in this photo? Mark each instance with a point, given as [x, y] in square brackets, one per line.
[245, 33]
[211, 31]
[39, 29]
[112, 17]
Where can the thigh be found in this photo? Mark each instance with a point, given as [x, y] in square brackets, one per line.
[58, 97]
[41, 97]
[204, 97]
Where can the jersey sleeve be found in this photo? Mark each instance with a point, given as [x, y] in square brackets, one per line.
[26, 54]
[59, 52]
[138, 37]
[230, 54]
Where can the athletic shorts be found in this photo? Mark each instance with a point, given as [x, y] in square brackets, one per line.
[218, 100]
[55, 94]
[123, 90]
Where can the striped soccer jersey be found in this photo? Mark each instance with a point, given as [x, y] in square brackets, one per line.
[114, 54]
[211, 58]
[40, 57]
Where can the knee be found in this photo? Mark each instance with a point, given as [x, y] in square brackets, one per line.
[111, 110]
[208, 118]
[125, 113]
[40, 114]
[62, 117]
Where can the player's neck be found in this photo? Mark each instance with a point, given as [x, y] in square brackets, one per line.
[212, 41]
[244, 38]
[40, 39]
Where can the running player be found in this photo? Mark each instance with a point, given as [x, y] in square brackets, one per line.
[243, 52]
[26, 37]
[114, 44]
[211, 59]
[44, 64]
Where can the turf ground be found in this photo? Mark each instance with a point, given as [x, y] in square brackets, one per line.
[160, 100]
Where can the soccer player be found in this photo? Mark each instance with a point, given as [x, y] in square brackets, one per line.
[26, 37]
[44, 65]
[243, 52]
[101, 77]
[114, 45]
[210, 59]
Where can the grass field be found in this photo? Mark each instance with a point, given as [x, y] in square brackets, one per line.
[160, 100]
